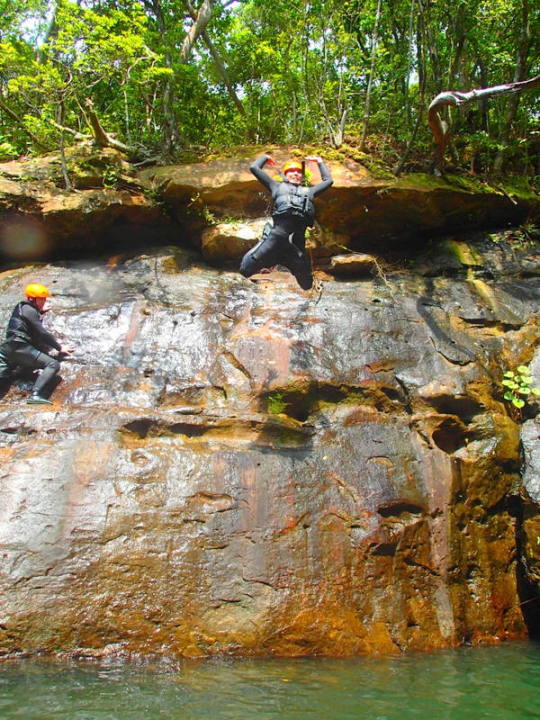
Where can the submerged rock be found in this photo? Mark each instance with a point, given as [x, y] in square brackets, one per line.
[245, 468]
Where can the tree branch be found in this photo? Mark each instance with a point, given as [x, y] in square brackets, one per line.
[199, 25]
[441, 129]
[19, 121]
[62, 128]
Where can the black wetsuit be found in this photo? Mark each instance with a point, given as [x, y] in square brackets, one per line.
[293, 211]
[27, 343]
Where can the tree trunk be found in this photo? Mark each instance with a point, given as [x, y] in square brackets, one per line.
[218, 61]
[374, 45]
[102, 138]
[202, 19]
[67, 181]
[519, 74]
[51, 30]
[172, 136]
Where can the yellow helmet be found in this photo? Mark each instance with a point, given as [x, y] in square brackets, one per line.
[36, 290]
[292, 165]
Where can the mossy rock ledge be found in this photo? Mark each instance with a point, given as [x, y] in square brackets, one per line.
[110, 202]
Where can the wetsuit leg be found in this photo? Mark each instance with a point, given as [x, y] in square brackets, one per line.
[301, 269]
[298, 261]
[27, 356]
[264, 254]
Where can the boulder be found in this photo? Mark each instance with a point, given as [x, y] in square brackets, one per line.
[231, 240]
[359, 205]
[40, 217]
[352, 264]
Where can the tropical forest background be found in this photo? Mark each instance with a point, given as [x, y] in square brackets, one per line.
[175, 78]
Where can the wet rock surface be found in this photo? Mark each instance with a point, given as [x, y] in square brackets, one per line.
[242, 467]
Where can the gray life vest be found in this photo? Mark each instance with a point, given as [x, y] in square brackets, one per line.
[294, 200]
[18, 328]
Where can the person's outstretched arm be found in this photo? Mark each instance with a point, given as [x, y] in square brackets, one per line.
[326, 176]
[256, 168]
[40, 336]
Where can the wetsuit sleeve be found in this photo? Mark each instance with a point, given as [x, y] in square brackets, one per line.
[256, 168]
[40, 336]
[326, 177]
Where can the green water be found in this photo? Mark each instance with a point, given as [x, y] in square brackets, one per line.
[500, 683]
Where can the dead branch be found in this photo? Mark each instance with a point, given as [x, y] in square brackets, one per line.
[62, 128]
[102, 138]
[441, 129]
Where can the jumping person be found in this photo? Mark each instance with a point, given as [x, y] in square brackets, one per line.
[27, 342]
[293, 212]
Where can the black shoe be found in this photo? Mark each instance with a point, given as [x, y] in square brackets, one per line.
[36, 399]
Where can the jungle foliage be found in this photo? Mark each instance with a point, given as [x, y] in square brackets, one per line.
[170, 76]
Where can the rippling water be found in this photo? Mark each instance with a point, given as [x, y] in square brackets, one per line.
[499, 683]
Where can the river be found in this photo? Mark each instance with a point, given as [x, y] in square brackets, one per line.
[499, 683]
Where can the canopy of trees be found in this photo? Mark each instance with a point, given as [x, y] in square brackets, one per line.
[165, 76]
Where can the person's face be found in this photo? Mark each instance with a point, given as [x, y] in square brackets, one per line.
[40, 303]
[294, 176]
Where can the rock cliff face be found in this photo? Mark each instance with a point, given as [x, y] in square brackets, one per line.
[241, 467]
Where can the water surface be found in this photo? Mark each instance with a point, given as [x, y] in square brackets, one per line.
[499, 683]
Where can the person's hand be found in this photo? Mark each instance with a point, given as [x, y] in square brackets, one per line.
[270, 160]
[66, 350]
[313, 158]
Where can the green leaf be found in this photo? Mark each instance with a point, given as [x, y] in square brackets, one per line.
[509, 374]
[535, 391]
[508, 396]
[510, 384]
[524, 391]
[527, 380]
[7, 151]
[523, 369]
[518, 402]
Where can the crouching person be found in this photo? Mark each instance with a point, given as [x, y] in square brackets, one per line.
[28, 343]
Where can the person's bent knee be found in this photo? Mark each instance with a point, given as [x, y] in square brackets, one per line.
[52, 364]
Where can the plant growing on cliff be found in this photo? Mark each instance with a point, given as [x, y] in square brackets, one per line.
[518, 386]
[198, 207]
[7, 150]
[276, 403]
[111, 177]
